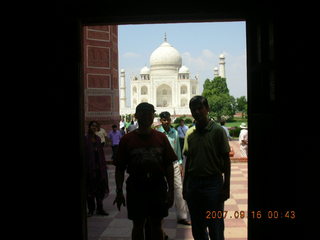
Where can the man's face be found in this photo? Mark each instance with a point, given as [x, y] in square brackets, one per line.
[199, 112]
[145, 118]
[166, 123]
[93, 128]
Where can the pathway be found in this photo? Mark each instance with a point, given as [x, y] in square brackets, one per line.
[116, 226]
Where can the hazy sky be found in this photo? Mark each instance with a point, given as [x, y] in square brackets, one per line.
[199, 44]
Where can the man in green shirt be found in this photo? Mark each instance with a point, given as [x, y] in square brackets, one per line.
[180, 203]
[173, 137]
[206, 183]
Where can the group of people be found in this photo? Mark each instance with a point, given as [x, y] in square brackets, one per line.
[188, 166]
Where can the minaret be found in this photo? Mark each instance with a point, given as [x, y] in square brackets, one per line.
[221, 66]
[122, 89]
[215, 72]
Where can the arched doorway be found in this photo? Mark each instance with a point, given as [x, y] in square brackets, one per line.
[164, 96]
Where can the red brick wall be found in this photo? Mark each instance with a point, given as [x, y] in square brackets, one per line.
[101, 91]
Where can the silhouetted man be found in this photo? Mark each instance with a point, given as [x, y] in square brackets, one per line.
[207, 172]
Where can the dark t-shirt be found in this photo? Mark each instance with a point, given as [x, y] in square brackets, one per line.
[206, 150]
[145, 156]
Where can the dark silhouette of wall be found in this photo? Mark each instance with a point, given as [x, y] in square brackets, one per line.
[274, 51]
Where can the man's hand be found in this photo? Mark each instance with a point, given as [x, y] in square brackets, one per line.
[181, 170]
[120, 200]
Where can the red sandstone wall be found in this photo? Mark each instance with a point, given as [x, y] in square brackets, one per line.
[101, 91]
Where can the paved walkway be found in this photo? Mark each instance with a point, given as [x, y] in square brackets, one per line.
[116, 226]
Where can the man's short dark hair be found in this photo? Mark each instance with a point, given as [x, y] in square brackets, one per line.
[144, 106]
[114, 126]
[93, 122]
[164, 115]
[199, 100]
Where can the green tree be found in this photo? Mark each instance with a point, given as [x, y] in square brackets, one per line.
[242, 105]
[233, 106]
[219, 99]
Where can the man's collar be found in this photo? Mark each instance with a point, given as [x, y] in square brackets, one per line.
[161, 129]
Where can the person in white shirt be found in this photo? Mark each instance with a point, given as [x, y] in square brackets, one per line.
[102, 134]
[243, 140]
[122, 123]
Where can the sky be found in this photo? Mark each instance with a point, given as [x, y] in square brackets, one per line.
[199, 45]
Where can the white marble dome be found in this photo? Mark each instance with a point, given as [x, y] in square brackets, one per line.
[164, 82]
[184, 69]
[145, 70]
[165, 55]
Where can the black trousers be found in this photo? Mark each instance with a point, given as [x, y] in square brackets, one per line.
[114, 151]
[181, 140]
[98, 189]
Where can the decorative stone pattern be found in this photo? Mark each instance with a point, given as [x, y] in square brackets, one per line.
[100, 75]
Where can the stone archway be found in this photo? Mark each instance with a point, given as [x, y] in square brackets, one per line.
[144, 90]
[183, 89]
[164, 96]
[184, 102]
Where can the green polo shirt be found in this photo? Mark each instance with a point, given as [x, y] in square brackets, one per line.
[173, 138]
[205, 150]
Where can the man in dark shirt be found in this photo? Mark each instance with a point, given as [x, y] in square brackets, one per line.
[148, 157]
[207, 172]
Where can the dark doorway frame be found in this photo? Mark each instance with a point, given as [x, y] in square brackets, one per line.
[271, 174]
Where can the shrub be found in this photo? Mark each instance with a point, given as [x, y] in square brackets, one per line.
[187, 120]
[234, 131]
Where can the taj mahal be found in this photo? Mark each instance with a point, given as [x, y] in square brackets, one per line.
[167, 84]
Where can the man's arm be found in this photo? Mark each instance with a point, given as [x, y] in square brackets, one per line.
[120, 200]
[119, 176]
[185, 151]
[227, 174]
[170, 180]
[184, 187]
[177, 148]
[170, 156]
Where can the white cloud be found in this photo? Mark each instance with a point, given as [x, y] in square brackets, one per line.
[130, 55]
[199, 63]
[206, 53]
[204, 64]
[236, 74]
